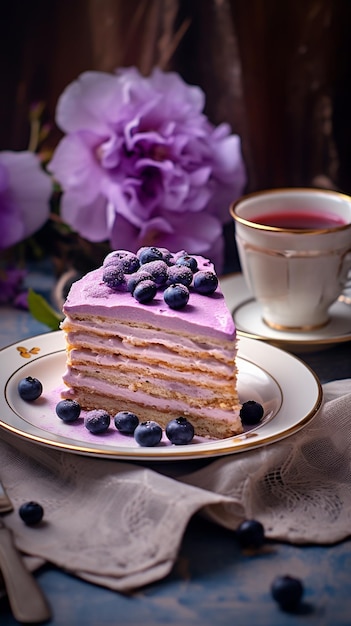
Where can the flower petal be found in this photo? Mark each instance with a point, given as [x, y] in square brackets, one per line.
[24, 204]
[75, 167]
[88, 103]
[89, 220]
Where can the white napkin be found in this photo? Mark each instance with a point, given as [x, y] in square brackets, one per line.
[120, 525]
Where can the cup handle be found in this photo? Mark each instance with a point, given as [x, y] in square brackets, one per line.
[346, 267]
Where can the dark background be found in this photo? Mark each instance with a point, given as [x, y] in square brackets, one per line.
[277, 71]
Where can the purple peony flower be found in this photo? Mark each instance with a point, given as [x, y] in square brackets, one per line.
[24, 196]
[141, 164]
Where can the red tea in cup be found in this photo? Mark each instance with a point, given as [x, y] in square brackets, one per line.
[297, 220]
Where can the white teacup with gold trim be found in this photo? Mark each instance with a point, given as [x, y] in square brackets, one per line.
[294, 247]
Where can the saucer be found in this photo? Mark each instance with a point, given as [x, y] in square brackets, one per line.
[247, 314]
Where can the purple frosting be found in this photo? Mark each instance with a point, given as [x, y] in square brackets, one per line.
[203, 315]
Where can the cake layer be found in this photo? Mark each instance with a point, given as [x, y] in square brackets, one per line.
[189, 390]
[184, 358]
[115, 365]
[207, 422]
[130, 335]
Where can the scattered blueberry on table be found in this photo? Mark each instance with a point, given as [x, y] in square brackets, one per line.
[287, 591]
[30, 388]
[250, 534]
[31, 513]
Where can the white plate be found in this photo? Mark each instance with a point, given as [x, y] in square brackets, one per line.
[247, 314]
[289, 391]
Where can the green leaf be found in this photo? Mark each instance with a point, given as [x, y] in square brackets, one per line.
[42, 311]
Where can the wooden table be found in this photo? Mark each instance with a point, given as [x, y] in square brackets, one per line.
[213, 582]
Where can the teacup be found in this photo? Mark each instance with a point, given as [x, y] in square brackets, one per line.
[294, 247]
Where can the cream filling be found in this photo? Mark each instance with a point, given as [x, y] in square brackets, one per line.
[124, 394]
[138, 336]
[152, 354]
[191, 392]
[192, 371]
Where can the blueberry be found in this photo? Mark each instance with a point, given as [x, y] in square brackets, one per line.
[176, 296]
[31, 513]
[158, 270]
[149, 253]
[129, 263]
[68, 410]
[145, 291]
[179, 431]
[179, 274]
[30, 388]
[205, 282]
[113, 277]
[97, 421]
[167, 256]
[142, 251]
[148, 433]
[287, 591]
[114, 257]
[251, 413]
[137, 277]
[188, 261]
[126, 422]
[250, 534]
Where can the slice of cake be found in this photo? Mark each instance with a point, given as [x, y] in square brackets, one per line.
[155, 359]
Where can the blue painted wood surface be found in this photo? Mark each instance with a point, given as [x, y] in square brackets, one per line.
[213, 582]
